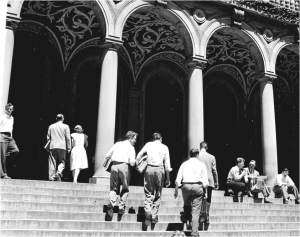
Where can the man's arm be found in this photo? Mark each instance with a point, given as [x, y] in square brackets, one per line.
[141, 153]
[68, 139]
[132, 156]
[48, 135]
[215, 173]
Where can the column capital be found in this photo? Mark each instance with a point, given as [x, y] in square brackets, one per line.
[111, 43]
[12, 22]
[266, 77]
[196, 62]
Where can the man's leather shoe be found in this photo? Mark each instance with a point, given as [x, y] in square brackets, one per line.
[297, 201]
[148, 218]
[249, 194]
[6, 177]
[110, 210]
[285, 201]
[266, 200]
[231, 193]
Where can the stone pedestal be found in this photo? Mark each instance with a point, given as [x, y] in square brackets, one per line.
[195, 104]
[268, 130]
[106, 111]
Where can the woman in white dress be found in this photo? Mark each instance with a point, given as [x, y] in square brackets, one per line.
[78, 159]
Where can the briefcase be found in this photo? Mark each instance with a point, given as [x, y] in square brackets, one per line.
[107, 164]
[141, 164]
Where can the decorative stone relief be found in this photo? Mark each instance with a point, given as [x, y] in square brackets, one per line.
[237, 17]
[297, 34]
[199, 16]
[268, 35]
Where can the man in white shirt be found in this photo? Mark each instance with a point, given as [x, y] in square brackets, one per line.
[192, 175]
[237, 179]
[60, 143]
[284, 185]
[122, 154]
[8, 145]
[154, 176]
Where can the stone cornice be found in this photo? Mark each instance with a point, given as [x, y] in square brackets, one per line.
[267, 9]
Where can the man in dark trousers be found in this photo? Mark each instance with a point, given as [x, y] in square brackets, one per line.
[60, 143]
[8, 145]
[212, 174]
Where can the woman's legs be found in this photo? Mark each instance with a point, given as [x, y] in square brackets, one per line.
[75, 173]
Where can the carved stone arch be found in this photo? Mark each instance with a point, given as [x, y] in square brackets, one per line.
[170, 70]
[40, 29]
[286, 42]
[172, 13]
[254, 43]
[105, 17]
[78, 61]
[232, 71]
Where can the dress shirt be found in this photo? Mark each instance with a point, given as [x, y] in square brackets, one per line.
[192, 171]
[235, 174]
[158, 154]
[6, 123]
[122, 152]
[251, 174]
[280, 180]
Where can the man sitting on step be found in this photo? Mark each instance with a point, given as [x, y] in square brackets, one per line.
[283, 185]
[192, 175]
[252, 175]
[237, 179]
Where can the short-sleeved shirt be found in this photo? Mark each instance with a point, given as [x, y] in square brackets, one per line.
[122, 152]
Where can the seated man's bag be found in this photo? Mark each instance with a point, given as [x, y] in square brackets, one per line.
[107, 164]
[141, 163]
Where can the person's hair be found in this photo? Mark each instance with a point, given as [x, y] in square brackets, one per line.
[203, 145]
[252, 161]
[239, 160]
[194, 152]
[8, 105]
[285, 169]
[59, 117]
[156, 136]
[130, 135]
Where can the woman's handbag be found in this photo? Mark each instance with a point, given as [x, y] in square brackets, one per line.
[141, 163]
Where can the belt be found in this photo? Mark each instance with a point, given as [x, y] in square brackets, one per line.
[192, 183]
[6, 133]
[118, 163]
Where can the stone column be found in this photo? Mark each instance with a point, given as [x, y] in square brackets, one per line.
[195, 103]
[268, 129]
[11, 25]
[106, 111]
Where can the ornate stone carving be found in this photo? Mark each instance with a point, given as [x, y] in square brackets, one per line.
[268, 35]
[199, 16]
[297, 34]
[237, 17]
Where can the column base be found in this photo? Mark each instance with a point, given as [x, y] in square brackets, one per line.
[104, 180]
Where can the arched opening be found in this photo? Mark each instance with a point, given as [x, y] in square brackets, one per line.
[164, 114]
[35, 91]
[222, 122]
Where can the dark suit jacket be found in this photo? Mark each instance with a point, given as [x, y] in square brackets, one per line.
[211, 167]
[59, 136]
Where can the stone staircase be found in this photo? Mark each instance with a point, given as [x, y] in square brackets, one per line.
[42, 208]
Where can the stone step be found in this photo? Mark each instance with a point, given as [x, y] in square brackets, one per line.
[138, 199]
[85, 193]
[114, 233]
[44, 206]
[9, 214]
[138, 226]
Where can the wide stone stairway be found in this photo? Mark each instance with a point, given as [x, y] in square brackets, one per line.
[41, 208]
